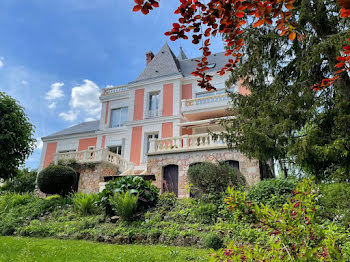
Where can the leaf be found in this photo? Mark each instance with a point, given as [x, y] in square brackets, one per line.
[137, 8]
[292, 36]
[258, 23]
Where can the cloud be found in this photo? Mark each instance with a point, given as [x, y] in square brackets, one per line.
[1, 62]
[70, 116]
[85, 98]
[89, 119]
[52, 105]
[55, 91]
[39, 143]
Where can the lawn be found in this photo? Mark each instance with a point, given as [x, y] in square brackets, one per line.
[33, 249]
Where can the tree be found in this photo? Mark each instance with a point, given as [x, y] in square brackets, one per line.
[282, 117]
[16, 136]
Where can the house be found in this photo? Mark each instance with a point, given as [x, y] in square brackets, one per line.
[155, 126]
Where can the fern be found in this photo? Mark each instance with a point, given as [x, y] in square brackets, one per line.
[124, 204]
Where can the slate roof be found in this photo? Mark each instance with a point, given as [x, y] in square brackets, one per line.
[182, 55]
[163, 64]
[166, 64]
[85, 127]
[189, 65]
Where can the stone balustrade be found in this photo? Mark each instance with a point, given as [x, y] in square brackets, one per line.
[99, 155]
[186, 143]
[204, 102]
[113, 90]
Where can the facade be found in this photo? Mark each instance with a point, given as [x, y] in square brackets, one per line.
[155, 126]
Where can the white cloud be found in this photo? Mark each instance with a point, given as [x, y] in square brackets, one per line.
[70, 116]
[85, 98]
[89, 119]
[1, 62]
[55, 91]
[39, 143]
[24, 82]
[52, 105]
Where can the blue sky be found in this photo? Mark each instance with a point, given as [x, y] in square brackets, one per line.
[56, 56]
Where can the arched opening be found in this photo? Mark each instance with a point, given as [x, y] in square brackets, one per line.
[171, 179]
[194, 191]
[232, 163]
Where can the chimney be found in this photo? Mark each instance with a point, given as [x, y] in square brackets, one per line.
[149, 57]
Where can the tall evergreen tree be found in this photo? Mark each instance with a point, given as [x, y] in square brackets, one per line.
[283, 118]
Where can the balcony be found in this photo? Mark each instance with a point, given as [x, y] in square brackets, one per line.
[114, 90]
[186, 143]
[96, 156]
[205, 107]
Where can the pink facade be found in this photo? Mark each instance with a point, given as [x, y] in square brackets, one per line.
[49, 155]
[163, 114]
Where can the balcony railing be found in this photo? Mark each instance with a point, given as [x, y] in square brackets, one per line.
[113, 90]
[186, 143]
[99, 155]
[205, 102]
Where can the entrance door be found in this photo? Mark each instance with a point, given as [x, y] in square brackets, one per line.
[171, 179]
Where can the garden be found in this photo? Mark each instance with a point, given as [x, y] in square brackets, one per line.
[287, 219]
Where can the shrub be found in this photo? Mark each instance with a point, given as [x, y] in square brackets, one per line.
[274, 192]
[214, 178]
[85, 204]
[124, 204]
[213, 241]
[167, 200]
[334, 201]
[56, 179]
[294, 232]
[205, 212]
[148, 193]
[23, 182]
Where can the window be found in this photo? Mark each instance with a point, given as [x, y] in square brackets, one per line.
[91, 148]
[149, 137]
[116, 149]
[153, 104]
[119, 117]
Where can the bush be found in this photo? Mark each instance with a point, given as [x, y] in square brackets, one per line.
[205, 212]
[85, 204]
[56, 179]
[167, 200]
[148, 193]
[214, 178]
[124, 204]
[213, 241]
[23, 182]
[335, 202]
[274, 192]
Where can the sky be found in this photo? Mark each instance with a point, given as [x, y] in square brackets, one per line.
[57, 55]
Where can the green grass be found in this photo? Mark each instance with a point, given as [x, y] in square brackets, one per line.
[33, 249]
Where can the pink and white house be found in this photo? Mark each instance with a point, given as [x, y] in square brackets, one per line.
[155, 126]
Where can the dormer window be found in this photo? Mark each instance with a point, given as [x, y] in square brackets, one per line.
[118, 117]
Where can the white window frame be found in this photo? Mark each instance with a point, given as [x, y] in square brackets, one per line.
[111, 116]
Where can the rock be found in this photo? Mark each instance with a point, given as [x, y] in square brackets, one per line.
[114, 219]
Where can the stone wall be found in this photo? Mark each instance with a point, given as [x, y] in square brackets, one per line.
[156, 163]
[90, 177]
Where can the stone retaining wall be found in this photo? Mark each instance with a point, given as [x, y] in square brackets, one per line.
[156, 164]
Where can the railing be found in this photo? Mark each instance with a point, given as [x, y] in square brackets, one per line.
[203, 102]
[99, 155]
[113, 90]
[153, 113]
[186, 143]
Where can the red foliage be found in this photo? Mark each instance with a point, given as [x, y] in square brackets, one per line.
[230, 17]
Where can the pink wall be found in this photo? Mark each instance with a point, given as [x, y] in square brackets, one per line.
[138, 104]
[186, 91]
[242, 89]
[86, 142]
[168, 91]
[135, 153]
[186, 131]
[50, 151]
[103, 143]
[167, 130]
[107, 111]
